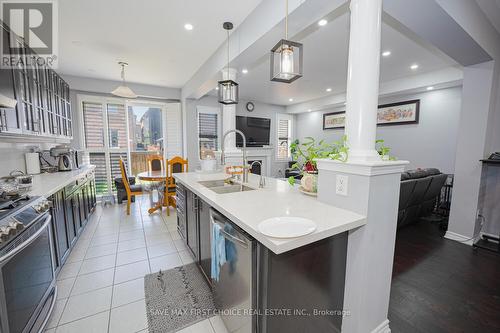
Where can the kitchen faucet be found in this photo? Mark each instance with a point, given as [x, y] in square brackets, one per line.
[244, 148]
[262, 181]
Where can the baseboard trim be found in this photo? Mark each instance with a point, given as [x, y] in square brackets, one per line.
[459, 238]
[382, 328]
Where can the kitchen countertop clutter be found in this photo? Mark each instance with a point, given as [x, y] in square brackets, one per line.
[47, 184]
[277, 199]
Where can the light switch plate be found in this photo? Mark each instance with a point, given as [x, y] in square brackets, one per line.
[342, 183]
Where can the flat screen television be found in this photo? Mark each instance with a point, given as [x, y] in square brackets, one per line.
[256, 130]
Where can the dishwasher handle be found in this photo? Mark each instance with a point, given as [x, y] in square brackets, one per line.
[213, 219]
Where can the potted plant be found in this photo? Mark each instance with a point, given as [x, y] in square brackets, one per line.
[384, 151]
[307, 152]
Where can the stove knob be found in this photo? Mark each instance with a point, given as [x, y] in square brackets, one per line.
[38, 208]
[11, 231]
[16, 225]
[4, 234]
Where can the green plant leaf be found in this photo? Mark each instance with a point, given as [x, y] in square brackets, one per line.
[291, 180]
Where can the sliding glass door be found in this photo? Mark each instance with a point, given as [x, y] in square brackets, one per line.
[146, 135]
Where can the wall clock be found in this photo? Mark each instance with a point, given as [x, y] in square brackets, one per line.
[250, 106]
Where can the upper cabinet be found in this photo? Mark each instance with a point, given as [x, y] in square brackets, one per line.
[43, 104]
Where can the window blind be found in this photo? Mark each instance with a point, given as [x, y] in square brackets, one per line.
[283, 145]
[207, 131]
[174, 130]
[117, 126]
[93, 124]
[101, 179]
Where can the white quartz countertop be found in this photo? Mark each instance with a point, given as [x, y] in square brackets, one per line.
[46, 184]
[247, 209]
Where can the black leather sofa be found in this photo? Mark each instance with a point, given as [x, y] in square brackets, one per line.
[419, 191]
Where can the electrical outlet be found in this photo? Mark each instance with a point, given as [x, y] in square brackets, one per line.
[342, 183]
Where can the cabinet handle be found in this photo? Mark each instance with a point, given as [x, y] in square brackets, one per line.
[3, 120]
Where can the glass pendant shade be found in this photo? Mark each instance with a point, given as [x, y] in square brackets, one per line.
[286, 61]
[124, 91]
[228, 92]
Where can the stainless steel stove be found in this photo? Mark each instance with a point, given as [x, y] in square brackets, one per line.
[27, 278]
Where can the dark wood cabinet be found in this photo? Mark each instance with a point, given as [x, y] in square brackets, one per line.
[43, 97]
[10, 121]
[192, 224]
[59, 228]
[71, 208]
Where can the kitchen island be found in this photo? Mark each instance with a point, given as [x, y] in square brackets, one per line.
[290, 285]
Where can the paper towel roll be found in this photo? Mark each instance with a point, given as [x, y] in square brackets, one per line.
[32, 163]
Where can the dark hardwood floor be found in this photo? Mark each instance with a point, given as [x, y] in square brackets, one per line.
[441, 285]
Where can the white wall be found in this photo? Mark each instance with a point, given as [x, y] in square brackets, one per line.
[472, 145]
[263, 110]
[430, 143]
[12, 155]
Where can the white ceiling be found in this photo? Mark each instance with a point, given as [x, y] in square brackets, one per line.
[149, 35]
[491, 9]
[325, 65]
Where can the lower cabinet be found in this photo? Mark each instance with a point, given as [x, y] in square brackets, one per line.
[192, 224]
[204, 228]
[71, 208]
[59, 228]
[195, 214]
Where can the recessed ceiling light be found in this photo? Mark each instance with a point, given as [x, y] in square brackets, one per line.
[188, 26]
[322, 22]
[217, 88]
[290, 99]
[309, 110]
[430, 88]
[386, 53]
[244, 70]
[328, 89]
[414, 67]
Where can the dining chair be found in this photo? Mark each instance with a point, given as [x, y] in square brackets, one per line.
[175, 165]
[155, 162]
[130, 189]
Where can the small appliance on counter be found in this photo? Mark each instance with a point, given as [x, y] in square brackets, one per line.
[32, 163]
[78, 158]
[65, 157]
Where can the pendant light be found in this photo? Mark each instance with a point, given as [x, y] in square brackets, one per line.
[286, 58]
[228, 89]
[123, 90]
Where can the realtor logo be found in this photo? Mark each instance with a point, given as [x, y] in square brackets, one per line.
[34, 23]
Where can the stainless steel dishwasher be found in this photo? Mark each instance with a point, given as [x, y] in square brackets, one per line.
[235, 291]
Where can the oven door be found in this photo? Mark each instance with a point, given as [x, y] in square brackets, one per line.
[27, 279]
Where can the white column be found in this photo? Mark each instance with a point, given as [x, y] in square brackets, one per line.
[229, 114]
[363, 79]
[372, 191]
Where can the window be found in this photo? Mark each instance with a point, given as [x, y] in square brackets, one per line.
[113, 128]
[208, 130]
[100, 116]
[283, 136]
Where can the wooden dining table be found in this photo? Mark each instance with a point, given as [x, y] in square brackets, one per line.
[155, 176]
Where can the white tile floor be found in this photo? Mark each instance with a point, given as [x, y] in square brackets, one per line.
[101, 286]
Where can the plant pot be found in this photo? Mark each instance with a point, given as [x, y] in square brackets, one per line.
[309, 181]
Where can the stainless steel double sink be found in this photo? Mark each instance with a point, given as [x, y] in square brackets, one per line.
[221, 186]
